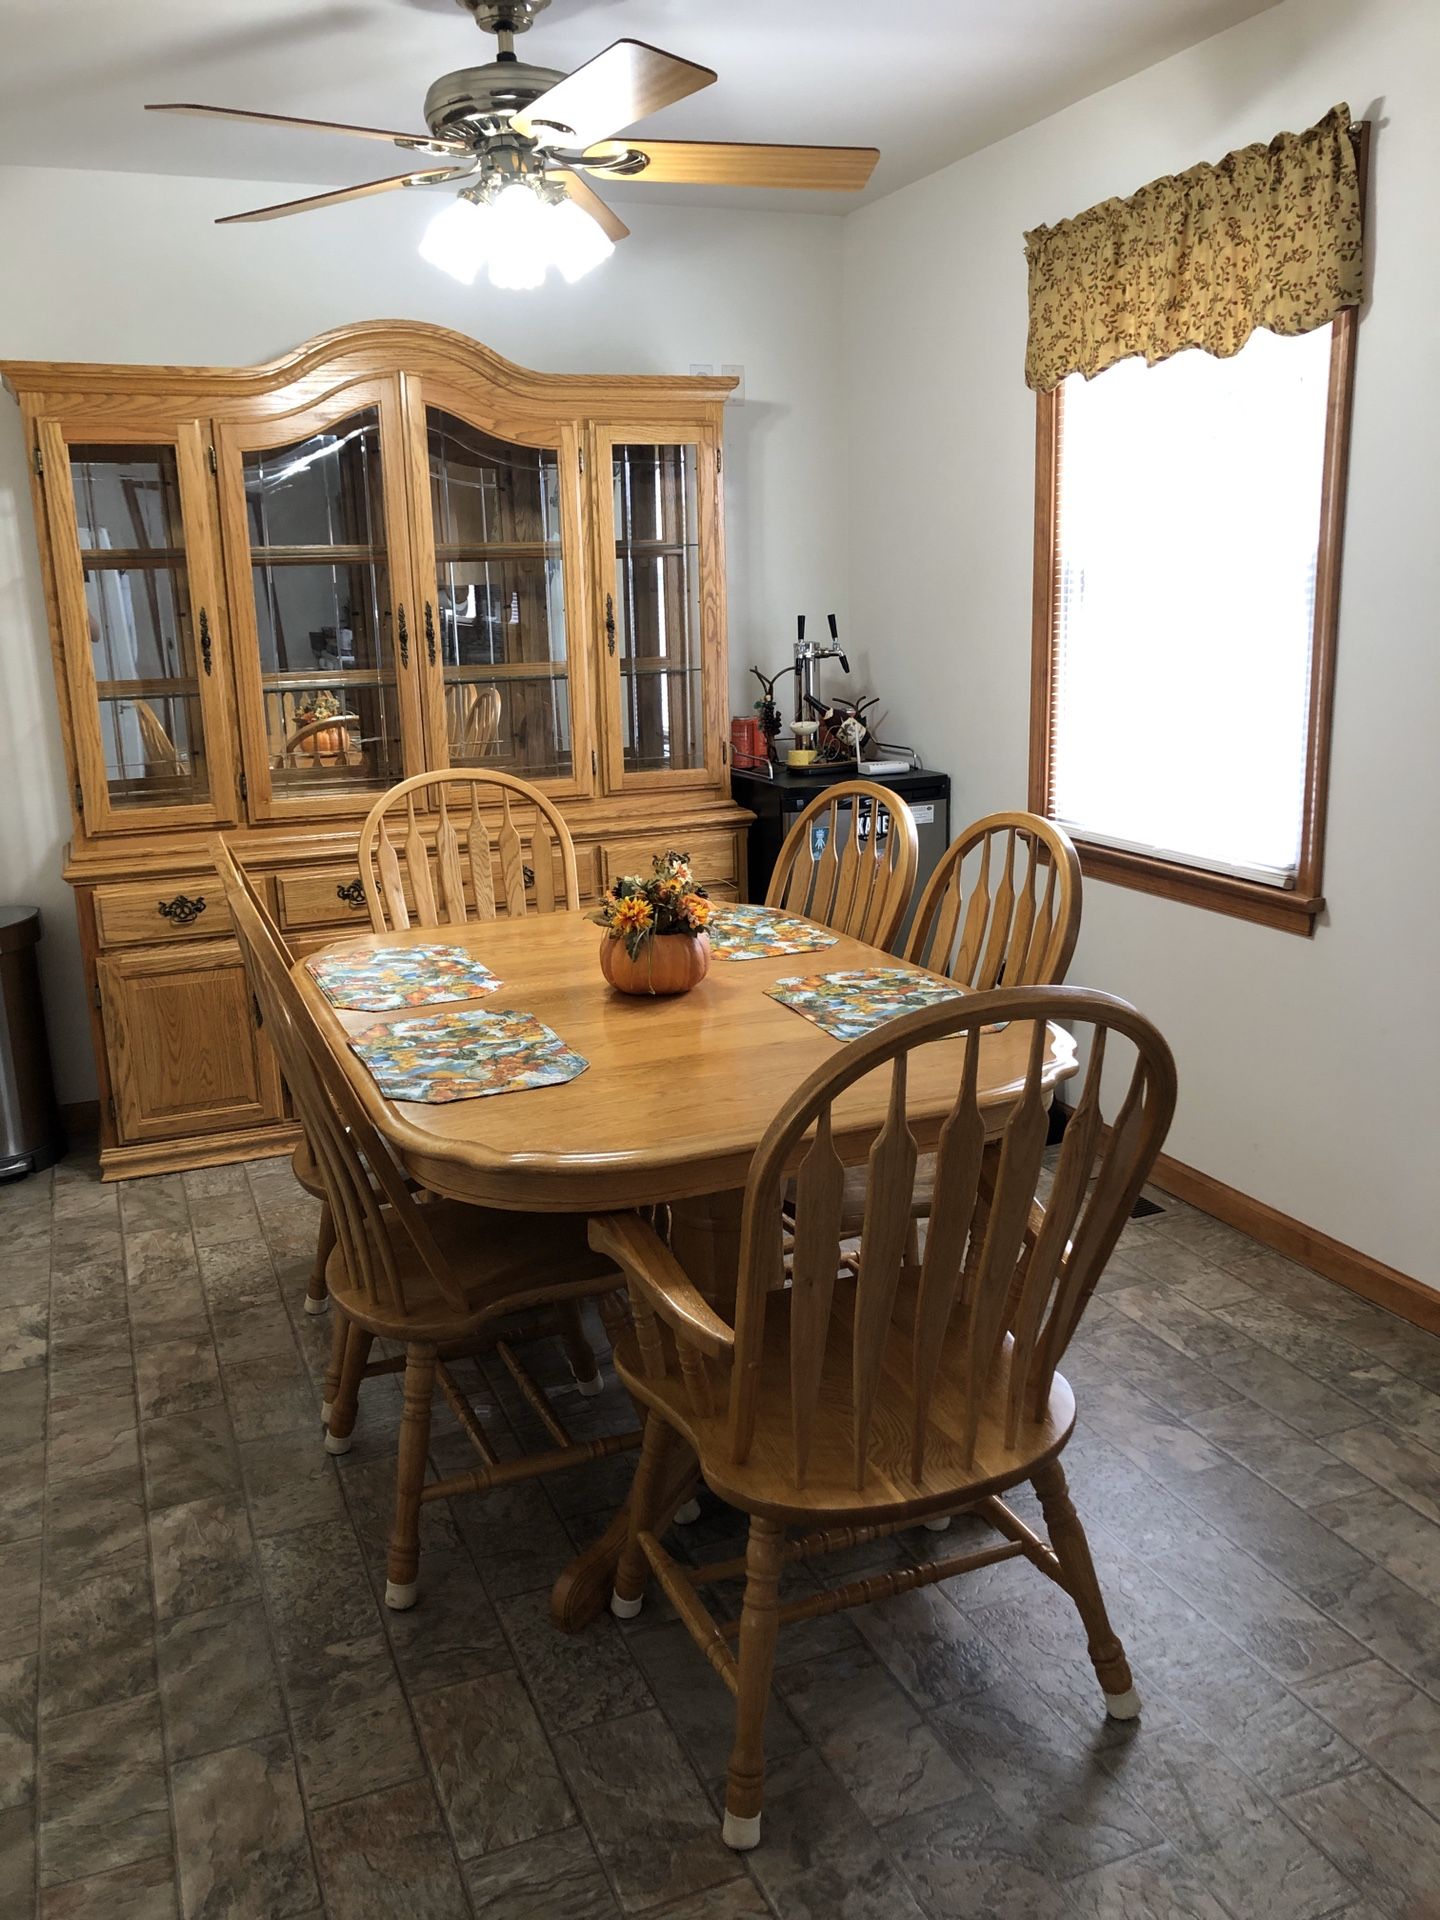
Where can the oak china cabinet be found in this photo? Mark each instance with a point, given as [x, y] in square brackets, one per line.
[275, 591]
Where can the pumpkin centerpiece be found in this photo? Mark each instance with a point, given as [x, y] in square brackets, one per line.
[655, 940]
[331, 741]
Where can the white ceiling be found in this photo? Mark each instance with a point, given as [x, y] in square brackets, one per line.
[926, 81]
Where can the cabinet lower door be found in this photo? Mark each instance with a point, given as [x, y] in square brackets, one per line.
[185, 1056]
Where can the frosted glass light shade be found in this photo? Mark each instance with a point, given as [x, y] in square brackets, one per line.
[519, 249]
[520, 233]
[456, 239]
[577, 243]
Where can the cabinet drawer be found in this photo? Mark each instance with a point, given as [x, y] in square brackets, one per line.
[322, 897]
[712, 857]
[161, 911]
[329, 899]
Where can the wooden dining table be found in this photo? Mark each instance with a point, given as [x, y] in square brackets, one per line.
[676, 1097]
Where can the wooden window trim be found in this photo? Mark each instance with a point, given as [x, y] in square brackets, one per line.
[1294, 909]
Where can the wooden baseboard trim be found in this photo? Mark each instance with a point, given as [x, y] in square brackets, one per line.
[213, 1150]
[1371, 1279]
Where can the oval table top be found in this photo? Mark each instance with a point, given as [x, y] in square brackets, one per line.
[678, 1091]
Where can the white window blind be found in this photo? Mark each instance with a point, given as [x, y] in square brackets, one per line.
[1189, 499]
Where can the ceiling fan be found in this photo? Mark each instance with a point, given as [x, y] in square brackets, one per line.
[524, 138]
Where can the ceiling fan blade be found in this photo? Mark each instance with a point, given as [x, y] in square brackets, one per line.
[625, 83]
[419, 142]
[588, 201]
[314, 200]
[721, 163]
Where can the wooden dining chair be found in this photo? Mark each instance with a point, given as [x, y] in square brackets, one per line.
[443, 1279]
[1002, 909]
[161, 757]
[849, 862]
[302, 1161]
[417, 878]
[472, 721]
[853, 1406]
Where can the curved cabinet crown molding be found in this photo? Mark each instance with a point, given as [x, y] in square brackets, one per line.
[414, 345]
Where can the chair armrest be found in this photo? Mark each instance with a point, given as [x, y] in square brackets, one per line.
[642, 1256]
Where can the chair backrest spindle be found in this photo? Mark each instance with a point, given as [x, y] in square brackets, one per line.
[422, 880]
[849, 862]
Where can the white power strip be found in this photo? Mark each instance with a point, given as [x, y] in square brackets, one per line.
[884, 766]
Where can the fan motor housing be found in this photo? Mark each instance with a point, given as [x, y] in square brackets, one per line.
[481, 100]
[504, 16]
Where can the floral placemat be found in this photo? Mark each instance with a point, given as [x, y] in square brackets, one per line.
[463, 1056]
[856, 1000]
[760, 933]
[380, 979]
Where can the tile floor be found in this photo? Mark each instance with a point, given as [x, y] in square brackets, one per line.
[205, 1711]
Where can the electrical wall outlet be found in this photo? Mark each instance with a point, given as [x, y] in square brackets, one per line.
[702, 367]
[737, 398]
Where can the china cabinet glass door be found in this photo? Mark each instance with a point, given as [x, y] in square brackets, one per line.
[658, 550]
[498, 535]
[142, 612]
[326, 650]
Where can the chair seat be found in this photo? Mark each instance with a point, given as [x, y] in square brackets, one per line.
[922, 1199]
[766, 1482]
[852, 1203]
[503, 1261]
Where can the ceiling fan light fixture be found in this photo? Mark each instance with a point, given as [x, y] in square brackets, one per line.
[520, 228]
[519, 237]
[578, 244]
[458, 239]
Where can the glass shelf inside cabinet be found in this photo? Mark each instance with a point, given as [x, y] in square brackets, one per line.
[320, 567]
[500, 600]
[656, 609]
[142, 642]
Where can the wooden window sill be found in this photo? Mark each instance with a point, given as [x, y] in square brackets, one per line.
[1290, 909]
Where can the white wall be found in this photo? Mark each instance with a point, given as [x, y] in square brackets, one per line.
[1308, 1068]
[128, 267]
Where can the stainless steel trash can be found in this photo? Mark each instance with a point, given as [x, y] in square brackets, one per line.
[31, 1132]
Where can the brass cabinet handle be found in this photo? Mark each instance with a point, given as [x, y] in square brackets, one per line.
[430, 632]
[402, 624]
[353, 895]
[610, 621]
[182, 911]
[205, 642]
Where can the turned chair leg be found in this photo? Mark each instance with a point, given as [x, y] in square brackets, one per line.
[330, 1392]
[317, 1294]
[578, 1350]
[346, 1404]
[1072, 1550]
[403, 1563]
[759, 1625]
[634, 1569]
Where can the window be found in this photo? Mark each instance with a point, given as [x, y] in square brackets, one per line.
[1187, 566]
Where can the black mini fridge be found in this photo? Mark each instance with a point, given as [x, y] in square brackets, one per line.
[779, 798]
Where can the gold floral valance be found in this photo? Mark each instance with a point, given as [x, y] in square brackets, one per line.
[1268, 237]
